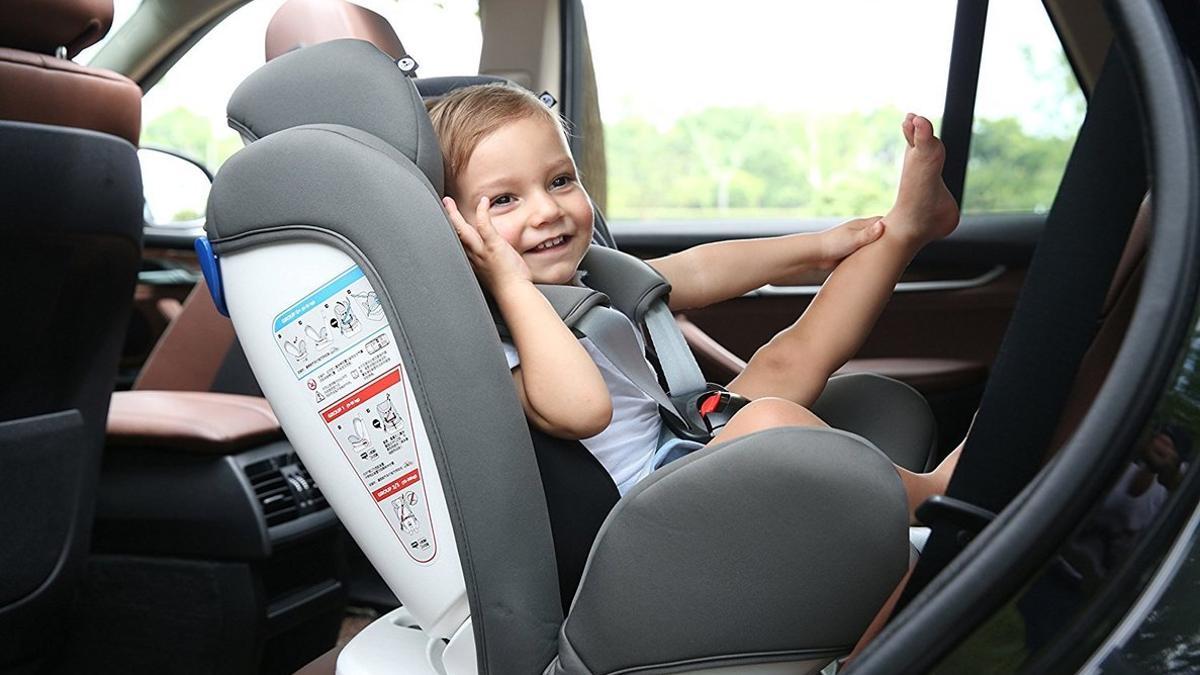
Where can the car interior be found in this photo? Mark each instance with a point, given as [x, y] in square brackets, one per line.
[181, 502]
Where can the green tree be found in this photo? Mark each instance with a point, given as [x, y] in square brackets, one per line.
[190, 134]
[1009, 170]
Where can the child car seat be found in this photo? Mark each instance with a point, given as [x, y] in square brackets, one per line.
[734, 556]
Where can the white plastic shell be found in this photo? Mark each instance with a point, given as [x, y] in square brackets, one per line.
[362, 462]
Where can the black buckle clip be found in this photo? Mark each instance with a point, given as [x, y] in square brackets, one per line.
[968, 519]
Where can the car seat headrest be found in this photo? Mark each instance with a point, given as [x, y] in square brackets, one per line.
[344, 82]
[301, 23]
[45, 26]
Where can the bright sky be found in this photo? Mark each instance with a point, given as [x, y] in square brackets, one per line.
[684, 55]
[662, 58]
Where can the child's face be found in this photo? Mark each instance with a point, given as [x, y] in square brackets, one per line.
[537, 204]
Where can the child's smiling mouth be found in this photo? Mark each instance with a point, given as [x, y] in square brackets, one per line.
[551, 244]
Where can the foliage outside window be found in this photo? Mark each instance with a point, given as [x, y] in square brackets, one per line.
[774, 111]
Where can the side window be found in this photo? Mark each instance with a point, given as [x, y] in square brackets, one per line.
[185, 110]
[1028, 110]
[772, 111]
[122, 9]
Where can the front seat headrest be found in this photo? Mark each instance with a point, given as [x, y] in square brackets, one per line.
[45, 25]
[38, 87]
[302, 23]
[345, 82]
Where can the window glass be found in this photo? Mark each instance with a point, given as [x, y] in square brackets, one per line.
[122, 10]
[185, 111]
[761, 109]
[1028, 110]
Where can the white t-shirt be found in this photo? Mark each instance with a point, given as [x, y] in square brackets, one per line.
[626, 447]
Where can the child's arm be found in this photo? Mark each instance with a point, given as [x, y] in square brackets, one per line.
[709, 273]
[559, 385]
[797, 362]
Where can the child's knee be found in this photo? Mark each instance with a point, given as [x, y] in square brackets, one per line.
[770, 412]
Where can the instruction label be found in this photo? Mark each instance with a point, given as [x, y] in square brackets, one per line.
[338, 343]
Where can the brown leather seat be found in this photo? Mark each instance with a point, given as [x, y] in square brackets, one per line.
[45, 88]
[299, 23]
[70, 247]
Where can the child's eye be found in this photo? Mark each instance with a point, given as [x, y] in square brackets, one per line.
[562, 181]
[502, 200]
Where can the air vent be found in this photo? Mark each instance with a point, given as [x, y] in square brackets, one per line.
[314, 501]
[284, 488]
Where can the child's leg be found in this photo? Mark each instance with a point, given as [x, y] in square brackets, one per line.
[766, 413]
[770, 412]
[798, 361]
[921, 486]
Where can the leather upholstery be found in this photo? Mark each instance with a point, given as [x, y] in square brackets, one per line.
[299, 23]
[190, 421]
[189, 354]
[45, 25]
[49, 90]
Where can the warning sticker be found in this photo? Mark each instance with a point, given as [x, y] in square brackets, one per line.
[338, 344]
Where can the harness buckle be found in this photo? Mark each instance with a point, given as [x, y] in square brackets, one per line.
[704, 413]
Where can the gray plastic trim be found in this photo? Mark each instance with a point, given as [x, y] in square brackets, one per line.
[903, 287]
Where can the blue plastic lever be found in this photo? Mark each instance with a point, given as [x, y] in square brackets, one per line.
[211, 268]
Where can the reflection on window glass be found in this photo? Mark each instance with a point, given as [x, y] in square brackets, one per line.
[185, 111]
[763, 110]
[1028, 110]
[1070, 607]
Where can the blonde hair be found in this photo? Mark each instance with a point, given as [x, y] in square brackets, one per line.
[464, 117]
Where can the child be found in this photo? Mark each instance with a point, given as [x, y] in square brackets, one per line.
[526, 219]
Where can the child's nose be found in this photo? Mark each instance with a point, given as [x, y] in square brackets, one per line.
[546, 210]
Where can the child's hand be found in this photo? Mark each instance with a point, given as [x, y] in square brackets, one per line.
[841, 241]
[495, 261]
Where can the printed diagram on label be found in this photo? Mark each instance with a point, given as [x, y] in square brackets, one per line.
[341, 314]
[337, 342]
[369, 302]
[404, 512]
[377, 441]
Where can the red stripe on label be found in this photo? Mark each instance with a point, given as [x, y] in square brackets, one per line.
[357, 398]
[397, 485]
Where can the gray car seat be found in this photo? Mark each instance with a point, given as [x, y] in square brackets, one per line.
[777, 547]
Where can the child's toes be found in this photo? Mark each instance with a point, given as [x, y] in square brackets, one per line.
[922, 129]
[907, 127]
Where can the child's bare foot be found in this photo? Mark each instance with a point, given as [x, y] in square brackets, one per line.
[924, 209]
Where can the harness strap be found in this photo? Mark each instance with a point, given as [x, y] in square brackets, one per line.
[640, 292]
[679, 366]
[609, 330]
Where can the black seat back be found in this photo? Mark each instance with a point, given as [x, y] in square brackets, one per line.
[70, 246]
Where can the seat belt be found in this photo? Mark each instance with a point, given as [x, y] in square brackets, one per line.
[1056, 316]
[675, 357]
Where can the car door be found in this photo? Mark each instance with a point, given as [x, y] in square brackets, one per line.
[775, 119]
